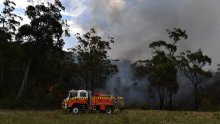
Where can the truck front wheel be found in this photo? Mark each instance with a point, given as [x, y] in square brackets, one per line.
[108, 110]
[75, 110]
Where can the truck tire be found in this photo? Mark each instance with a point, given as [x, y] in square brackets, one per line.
[75, 110]
[108, 110]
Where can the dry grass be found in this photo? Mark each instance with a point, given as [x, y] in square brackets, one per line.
[125, 117]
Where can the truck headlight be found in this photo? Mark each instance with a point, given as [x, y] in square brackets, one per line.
[65, 105]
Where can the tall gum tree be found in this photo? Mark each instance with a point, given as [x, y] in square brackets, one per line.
[162, 68]
[92, 58]
[42, 35]
[192, 66]
[8, 26]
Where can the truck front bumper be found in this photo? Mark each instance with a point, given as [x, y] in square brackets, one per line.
[64, 105]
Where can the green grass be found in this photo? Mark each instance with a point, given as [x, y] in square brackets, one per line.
[125, 117]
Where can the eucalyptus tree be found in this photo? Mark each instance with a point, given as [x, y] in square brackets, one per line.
[163, 76]
[9, 22]
[192, 65]
[92, 58]
[162, 68]
[43, 36]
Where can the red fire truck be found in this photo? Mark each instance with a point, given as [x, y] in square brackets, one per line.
[82, 100]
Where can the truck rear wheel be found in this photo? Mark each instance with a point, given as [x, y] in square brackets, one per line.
[75, 110]
[108, 110]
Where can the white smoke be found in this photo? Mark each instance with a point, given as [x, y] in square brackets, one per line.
[136, 23]
[124, 83]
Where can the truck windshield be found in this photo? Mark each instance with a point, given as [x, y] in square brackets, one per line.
[73, 94]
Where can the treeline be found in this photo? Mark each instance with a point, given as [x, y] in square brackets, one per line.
[167, 62]
[35, 71]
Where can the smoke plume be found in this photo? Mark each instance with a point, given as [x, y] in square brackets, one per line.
[125, 84]
[139, 92]
[136, 23]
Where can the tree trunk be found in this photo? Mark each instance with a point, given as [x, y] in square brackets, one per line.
[3, 28]
[86, 78]
[196, 97]
[2, 67]
[171, 101]
[1, 80]
[161, 99]
[87, 81]
[24, 80]
[92, 88]
[161, 103]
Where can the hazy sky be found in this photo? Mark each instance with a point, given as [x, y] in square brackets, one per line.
[136, 23]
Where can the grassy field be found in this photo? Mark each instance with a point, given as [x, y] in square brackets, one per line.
[125, 117]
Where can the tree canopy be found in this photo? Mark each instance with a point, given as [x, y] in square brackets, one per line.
[192, 65]
[92, 58]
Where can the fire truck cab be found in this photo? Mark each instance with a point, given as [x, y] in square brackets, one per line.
[82, 100]
[78, 94]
